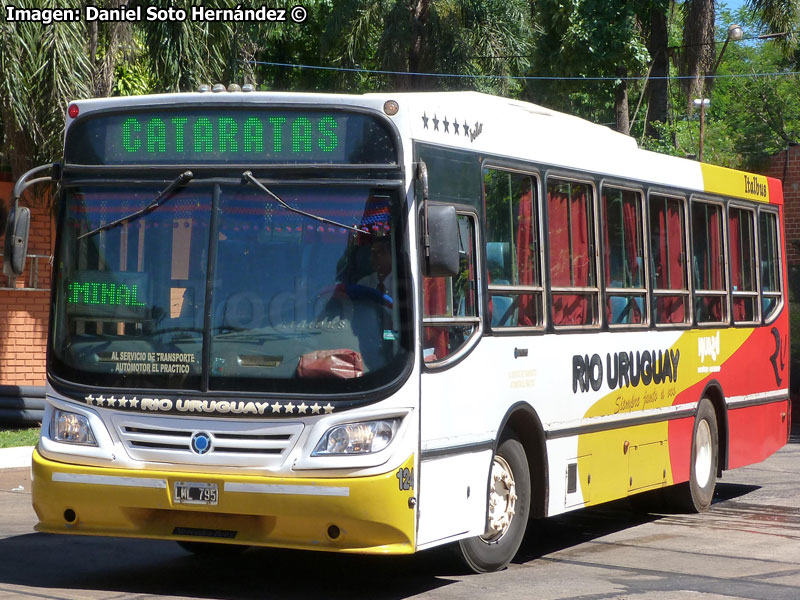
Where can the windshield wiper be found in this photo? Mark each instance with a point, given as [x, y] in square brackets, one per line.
[179, 181]
[248, 175]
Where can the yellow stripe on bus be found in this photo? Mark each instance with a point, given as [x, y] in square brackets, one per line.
[645, 448]
[735, 184]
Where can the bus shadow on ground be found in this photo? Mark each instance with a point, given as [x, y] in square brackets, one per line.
[44, 563]
[561, 532]
[140, 567]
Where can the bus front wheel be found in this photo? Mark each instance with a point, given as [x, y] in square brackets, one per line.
[508, 510]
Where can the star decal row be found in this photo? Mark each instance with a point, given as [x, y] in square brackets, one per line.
[112, 401]
[454, 127]
[302, 408]
[148, 404]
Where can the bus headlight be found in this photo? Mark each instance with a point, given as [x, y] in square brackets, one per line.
[71, 428]
[357, 438]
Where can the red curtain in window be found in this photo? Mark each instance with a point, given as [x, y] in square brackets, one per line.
[630, 224]
[659, 236]
[668, 251]
[736, 251]
[606, 244]
[737, 283]
[559, 239]
[581, 262]
[674, 225]
[435, 294]
[568, 213]
[525, 256]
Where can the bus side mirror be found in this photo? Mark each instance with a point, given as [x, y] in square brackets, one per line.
[15, 247]
[16, 243]
[442, 259]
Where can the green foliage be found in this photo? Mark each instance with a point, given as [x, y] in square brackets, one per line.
[493, 41]
[11, 438]
[132, 79]
[752, 117]
[41, 69]
[465, 37]
[591, 38]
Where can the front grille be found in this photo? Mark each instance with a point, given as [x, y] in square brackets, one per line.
[233, 443]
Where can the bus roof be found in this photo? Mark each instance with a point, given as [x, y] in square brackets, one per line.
[502, 127]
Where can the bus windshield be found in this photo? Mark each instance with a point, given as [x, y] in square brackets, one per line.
[221, 288]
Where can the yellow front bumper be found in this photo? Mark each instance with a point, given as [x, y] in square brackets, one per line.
[370, 514]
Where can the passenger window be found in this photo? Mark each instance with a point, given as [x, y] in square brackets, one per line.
[572, 262]
[668, 256]
[742, 260]
[451, 314]
[708, 266]
[770, 263]
[624, 257]
[512, 250]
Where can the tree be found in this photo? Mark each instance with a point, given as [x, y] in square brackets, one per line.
[41, 69]
[751, 118]
[654, 18]
[466, 37]
[591, 38]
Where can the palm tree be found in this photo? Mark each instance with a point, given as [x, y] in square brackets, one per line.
[468, 37]
[41, 69]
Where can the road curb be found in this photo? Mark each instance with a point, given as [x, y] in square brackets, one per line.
[14, 458]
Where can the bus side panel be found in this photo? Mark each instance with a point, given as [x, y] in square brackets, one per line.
[452, 497]
[769, 420]
[680, 448]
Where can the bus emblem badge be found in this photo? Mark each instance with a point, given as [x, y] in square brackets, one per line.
[201, 443]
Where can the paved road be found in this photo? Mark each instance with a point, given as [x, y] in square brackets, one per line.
[746, 546]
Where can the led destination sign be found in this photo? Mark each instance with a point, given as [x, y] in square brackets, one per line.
[107, 294]
[234, 136]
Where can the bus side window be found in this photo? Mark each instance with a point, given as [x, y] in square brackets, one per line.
[513, 259]
[742, 259]
[573, 278]
[770, 263]
[668, 260]
[708, 267]
[624, 257]
[450, 304]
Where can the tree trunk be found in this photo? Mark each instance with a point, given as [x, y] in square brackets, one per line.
[623, 124]
[699, 50]
[420, 12]
[657, 89]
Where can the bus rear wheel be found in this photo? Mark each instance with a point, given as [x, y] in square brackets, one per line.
[696, 494]
[508, 511]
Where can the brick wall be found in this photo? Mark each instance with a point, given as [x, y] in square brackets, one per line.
[788, 171]
[24, 314]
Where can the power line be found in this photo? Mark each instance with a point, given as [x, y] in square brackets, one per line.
[764, 36]
[515, 77]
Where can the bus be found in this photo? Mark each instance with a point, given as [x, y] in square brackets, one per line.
[387, 322]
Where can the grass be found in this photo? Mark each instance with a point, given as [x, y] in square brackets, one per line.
[9, 438]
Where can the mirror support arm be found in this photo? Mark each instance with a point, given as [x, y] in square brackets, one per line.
[422, 174]
[15, 246]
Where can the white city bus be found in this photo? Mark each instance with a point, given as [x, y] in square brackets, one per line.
[383, 323]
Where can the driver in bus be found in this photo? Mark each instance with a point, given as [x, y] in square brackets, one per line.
[380, 259]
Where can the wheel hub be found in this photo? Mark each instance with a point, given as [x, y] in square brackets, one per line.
[502, 500]
[703, 454]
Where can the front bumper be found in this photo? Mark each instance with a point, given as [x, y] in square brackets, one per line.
[371, 515]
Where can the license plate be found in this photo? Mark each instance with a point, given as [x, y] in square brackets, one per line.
[190, 492]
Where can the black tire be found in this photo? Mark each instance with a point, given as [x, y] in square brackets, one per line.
[696, 495]
[495, 549]
[212, 549]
